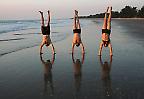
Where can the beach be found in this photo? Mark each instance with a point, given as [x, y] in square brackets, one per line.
[23, 75]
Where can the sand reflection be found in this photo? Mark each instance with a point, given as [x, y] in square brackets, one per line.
[105, 76]
[48, 79]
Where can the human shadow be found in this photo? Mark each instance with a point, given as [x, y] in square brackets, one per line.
[77, 66]
[105, 76]
[48, 79]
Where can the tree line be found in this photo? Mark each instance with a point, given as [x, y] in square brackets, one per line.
[126, 12]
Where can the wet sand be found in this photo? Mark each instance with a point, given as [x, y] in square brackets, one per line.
[24, 74]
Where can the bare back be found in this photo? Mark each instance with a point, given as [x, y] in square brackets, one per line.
[76, 38]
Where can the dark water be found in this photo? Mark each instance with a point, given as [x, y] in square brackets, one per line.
[26, 75]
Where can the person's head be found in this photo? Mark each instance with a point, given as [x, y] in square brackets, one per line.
[47, 44]
[106, 63]
[105, 43]
[48, 61]
[77, 44]
[78, 61]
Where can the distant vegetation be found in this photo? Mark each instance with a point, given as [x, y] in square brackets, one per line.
[127, 12]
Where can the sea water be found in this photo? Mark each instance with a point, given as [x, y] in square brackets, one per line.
[20, 34]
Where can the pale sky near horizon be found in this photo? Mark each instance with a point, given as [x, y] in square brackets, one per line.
[28, 9]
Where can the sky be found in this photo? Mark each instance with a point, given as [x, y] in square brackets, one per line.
[28, 9]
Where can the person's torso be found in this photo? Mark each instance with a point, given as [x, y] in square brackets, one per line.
[105, 37]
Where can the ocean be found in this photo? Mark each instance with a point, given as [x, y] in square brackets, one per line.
[20, 34]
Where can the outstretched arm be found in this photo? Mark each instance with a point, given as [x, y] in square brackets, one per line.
[83, 56]
[41, 46]
[42, 59]
[110, 47]
[53, 49]
[100, 59]
[82, 47]
[73, 58]
[53, 58]
[110, 61]
[100, 48]
[73, 47]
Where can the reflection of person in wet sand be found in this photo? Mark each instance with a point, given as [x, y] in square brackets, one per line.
[106, 68]
[48, 82]
[46, 33]
[106, 31]
[77, 71]
[77, 33]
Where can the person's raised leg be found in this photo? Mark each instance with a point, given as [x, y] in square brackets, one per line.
[42, 18]
[48, 23]
[74, 22]
[109, 18]
[78, 22]
[105, 20]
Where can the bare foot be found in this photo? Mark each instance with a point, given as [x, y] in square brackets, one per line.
[109, 10]
[40, 12]
[48, 11]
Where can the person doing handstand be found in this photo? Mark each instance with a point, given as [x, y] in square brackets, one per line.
[77, 33]
[106, 31]
[46, 33]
